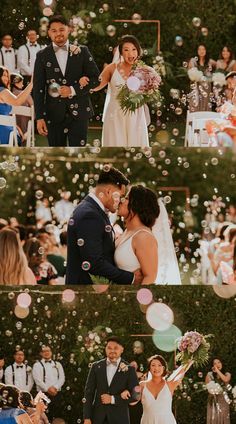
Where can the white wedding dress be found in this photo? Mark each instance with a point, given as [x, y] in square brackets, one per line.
[168, 270]
[119, 129]
[157, 410]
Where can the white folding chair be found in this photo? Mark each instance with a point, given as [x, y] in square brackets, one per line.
[195, 133]
[29, 112]
[9, 121]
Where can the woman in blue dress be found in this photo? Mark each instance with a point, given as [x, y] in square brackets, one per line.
[10, 411]
[7, 100]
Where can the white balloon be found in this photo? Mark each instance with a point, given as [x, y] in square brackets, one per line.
[159, 316]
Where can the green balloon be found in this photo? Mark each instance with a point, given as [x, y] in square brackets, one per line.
[166, 340]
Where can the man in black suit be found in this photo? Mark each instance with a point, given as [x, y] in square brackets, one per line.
[62, 105]
[91, 243]
[108, 379]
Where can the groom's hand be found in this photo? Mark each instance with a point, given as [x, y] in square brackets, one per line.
[106, 399]
[42, 127]
[138, 277]
[65, 91]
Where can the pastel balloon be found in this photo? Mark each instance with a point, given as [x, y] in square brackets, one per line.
[144, 296]
[166, 340]
[159, 316]
[21, 312]
[24, 300]
[225, 291]
[68, 295]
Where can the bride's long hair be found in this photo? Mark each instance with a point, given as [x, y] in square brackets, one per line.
[144, 202]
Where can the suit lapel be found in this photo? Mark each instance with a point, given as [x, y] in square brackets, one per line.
[104, 370]
[69, 57]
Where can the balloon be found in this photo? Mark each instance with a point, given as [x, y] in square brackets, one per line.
[144, 296]
[68, 295]
[133, 83]
[24, 300]
[21, 312]
[225, 291]
[159, 316]
[166, 340]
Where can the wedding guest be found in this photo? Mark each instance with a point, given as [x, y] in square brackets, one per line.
[7, 100]
[2, 363]
[218, 410]
[8, 57]
[27, 402]
[17, 82]
[63, 107]
[120, 129]
[52, 252]
[44, 272]
[199, 97]
[10, 409]
[19, 373]
[226, 61]
[27, 56]
[14, 268]
[49, 378]
[43, 212]
[63, 208]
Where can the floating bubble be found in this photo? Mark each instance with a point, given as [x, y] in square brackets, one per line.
[167, 199]
[179, 41]
[136, 18]
[86, 266]
[21, 25]
[159, 316]
[47, 11]
[111, 30]
[3, 183]
[41, 250]
[204, 31]
[24, 300]
[68, 295]
[39, 194]
[71, 221]
[144, 296]
[214, 161]
[80, 242]
[175, 132]
[196, 22]
[178, 110]
[106, 168]
[108, 228]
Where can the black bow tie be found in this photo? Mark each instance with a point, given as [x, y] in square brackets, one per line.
[33, 45]
[19, 366]
[8, 51]
[49, 361]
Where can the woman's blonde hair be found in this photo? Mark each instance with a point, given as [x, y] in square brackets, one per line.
[13, 262]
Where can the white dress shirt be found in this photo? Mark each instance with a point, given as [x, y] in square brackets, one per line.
[62, 56]
[47, 374]
[8, 58]
[20, 375]
[111, 370]
[26, 66]
[97, 200]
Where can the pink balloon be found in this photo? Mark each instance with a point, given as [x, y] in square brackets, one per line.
[144, 296]
[133, 83]
[68, 295]
[24, 300]
[159, 316]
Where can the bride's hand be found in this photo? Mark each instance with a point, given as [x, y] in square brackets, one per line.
[125, 394]
[138, 277]
[83, 81]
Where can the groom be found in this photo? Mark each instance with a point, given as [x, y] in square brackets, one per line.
[106, 381]
[62, 105]
[91, 244]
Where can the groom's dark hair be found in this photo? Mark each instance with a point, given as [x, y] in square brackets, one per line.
[110, 175]
[58, 18]
[116, 340]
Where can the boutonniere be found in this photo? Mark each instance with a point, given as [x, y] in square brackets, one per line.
[29, 370]
[74, 50]
[55, 366]
[123, 367]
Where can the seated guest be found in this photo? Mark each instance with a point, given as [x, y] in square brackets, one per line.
[27, 402]
[13, 263]
[17, 82]
[8, 99]
[226, 62]
[10, 408]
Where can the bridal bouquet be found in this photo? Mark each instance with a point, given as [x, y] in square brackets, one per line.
[141, 87]
[195, 75]
[193, 346]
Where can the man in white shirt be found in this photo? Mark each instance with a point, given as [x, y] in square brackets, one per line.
[63, 209]
[19, 373]
[49, 378]
[8, 54]
[27, 55]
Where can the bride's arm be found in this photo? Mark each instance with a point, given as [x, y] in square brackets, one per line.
[179, 377]
[145, 248]
[105, 76]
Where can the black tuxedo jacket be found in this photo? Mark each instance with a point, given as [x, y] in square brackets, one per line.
[91, 225]
[47, 71]
[97, 384]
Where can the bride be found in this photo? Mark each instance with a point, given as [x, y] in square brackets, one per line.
[146, 243]
[119, 129]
